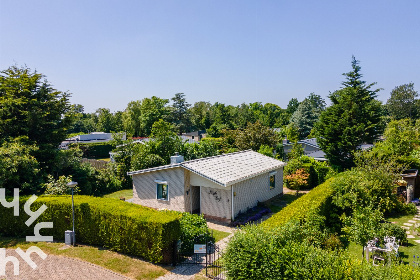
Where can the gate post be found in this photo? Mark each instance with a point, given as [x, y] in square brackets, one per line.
[174, 253]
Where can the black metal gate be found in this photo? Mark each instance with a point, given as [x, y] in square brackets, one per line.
[211, 259]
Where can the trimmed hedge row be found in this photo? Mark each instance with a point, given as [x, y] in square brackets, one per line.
[256, 253]
[317, 201]
[113, 224]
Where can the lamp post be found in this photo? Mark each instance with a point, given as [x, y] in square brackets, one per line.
[72, 185]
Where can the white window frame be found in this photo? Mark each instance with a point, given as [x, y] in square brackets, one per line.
[160, 182]
[273, 173]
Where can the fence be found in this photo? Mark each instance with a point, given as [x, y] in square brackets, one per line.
[207, 255]
[97, 164]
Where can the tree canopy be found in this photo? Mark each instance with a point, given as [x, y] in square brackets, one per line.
[353, 118]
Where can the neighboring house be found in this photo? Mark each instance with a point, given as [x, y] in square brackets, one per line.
[194, 136]
[219, 187]
[93, 137]
[310, 148]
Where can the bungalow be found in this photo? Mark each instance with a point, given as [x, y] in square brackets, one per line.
[219, 187]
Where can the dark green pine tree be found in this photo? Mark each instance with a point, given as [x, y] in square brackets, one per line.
[354, 118]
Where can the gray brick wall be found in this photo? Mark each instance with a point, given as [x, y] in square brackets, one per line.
[256, 189]
[144, 189]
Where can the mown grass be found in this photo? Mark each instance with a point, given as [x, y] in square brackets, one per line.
[128, 266]
[406, 252]
[127, 194]
[219, 235]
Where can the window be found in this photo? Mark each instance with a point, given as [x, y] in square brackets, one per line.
[272, 180]
[162, 190]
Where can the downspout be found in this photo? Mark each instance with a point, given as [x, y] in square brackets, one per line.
[232, 214]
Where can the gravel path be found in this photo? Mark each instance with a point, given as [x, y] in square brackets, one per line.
[58, 268]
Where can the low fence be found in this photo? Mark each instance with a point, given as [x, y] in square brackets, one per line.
[97, 164]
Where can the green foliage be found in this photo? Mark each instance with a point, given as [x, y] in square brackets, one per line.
[94, 150]
[113, 224]
[165, 141]
[296, 152]
[307, 114]
[363, 225]
[18, 167]
[357, 188]
[254, 136]
[30, 107]
[59, 186]
[255, 253]
[316, 202]
[199, 150]
[402, 102]
[389, 229]
[353, 118]
[194, 230]
[179, 114]
[266, 150]
[318, 171]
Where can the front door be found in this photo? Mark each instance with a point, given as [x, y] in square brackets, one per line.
[195, 199]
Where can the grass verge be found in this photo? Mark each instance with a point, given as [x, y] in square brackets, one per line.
[127, 194]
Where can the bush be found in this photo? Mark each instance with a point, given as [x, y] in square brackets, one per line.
[318, 171]
[389, 229]
[113, 224]
[255, 253]
[95, 150]
[194, 230]
[317, 201]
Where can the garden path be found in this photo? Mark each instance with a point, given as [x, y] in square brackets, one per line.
[407, 226]
[58, 268]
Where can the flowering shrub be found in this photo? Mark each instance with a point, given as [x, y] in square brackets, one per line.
[297, 180]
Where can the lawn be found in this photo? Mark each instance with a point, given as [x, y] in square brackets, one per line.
[131, 267]
[406, 252]
[219, 235]
[127, 194]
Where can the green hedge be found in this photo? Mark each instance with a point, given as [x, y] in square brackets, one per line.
[317, 201]
[256, 253]
[95, 150]
[113, 224]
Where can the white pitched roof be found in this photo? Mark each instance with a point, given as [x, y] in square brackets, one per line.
[226, 169]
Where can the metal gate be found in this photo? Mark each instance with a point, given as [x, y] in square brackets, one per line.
[211, 259]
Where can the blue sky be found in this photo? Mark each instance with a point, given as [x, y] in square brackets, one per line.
[108, 53]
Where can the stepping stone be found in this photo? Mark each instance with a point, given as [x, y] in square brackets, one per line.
[417, 219]
[411, 236]
[408, 224]
[418, 241]
[403, 227]
[411, 221]
[408, 232]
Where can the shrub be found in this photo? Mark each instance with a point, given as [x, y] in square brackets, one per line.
[389, 229]
[318, 171]
[316, 201]
[59, 186]
[113, 224]
[95, 150]
[194, 230]
[297, 180]
[256, 253]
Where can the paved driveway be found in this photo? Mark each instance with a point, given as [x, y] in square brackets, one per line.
[58, 268]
